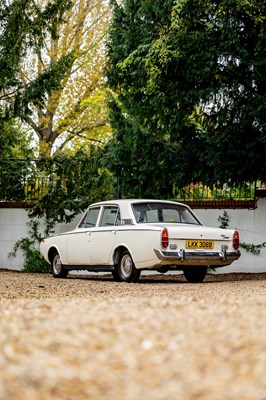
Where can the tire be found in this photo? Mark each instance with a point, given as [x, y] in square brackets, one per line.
[195, 274]
[115, 275]
[126, 270]
[58, 269]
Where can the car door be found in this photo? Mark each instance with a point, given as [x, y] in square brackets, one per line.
[103, 238]
[79, 241]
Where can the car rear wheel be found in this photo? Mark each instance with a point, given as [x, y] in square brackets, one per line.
[126, 270]
[58, 269]
[195, 274]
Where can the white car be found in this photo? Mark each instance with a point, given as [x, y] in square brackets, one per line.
[125, 237]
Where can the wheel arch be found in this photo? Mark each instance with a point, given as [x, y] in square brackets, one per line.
[124, 266]
[117, 253]
[51, 252]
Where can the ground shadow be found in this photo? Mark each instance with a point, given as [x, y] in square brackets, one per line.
[175, 278]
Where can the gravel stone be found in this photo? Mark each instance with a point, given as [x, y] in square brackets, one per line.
[89, 337]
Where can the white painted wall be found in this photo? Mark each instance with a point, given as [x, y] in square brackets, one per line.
[13, 226]
[251, 225]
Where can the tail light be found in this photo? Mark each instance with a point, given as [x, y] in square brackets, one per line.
[236, 240]
[165, 238]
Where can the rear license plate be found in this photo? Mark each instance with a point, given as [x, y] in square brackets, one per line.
[200, 244]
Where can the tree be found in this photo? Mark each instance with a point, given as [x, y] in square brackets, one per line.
[74, 111]
[24, 26]
[190, 81]
[14, 141]
[15, 152]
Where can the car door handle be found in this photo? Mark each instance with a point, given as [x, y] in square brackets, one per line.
[114, 232]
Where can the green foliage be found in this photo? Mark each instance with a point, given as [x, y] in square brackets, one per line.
[29, 247]
[199, 191]
[39, 88]
[190, 105]
[224, 220]
[23, 25]
[14, 140]
[71, 184]
[11, 179]
[62, 75]
[14, 144]
[59, 187]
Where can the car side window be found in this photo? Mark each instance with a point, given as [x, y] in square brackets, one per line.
[110, 216]
[90, 218]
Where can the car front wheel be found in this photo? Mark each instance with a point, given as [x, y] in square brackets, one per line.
[58, 269]
[126, 270]
[195, 274]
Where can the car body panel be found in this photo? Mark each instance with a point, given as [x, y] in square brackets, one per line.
[76, 241]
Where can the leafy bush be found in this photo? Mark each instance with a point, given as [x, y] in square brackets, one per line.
[32, 260]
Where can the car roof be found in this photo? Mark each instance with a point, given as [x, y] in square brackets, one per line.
[130, 201]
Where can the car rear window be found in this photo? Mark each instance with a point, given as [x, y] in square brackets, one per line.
[163, 212]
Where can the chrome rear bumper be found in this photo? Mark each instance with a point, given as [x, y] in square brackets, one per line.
[183, 257]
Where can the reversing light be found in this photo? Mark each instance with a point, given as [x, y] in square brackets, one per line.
[165, 238]
[236, 240]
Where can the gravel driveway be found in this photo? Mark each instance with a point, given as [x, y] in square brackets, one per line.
[88, 337]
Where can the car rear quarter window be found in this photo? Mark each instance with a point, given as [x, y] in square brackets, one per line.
[110, 216]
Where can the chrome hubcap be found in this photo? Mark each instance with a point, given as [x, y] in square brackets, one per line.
[126, 265]
[57, 265]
